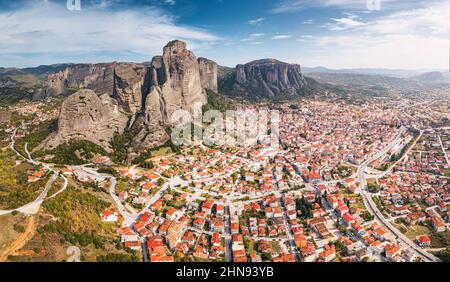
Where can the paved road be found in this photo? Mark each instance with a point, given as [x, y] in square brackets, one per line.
[383, 173]
[290, 238]
[128, 218]
[66, 182]
[33, 207]
[228, 243]
[13, 143]
[46, 166]
[373, 209]
[443, 150]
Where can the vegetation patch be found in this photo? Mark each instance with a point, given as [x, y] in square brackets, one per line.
[372, 185]
[37, 135]
[15, 191]
[120, 145]
[75, 152]
[218, 102]
[72, 218]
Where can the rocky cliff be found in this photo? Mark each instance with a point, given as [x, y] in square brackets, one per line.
[97, 77]
[87, 116]
[143, 97]
[266, 78]
[131, 84]
[208, 74]
[125, 95]
[124, 81]
[176, 83]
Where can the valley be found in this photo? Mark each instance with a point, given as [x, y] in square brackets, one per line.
[358, 172]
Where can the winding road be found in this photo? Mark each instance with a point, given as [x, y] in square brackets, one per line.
[33, 207]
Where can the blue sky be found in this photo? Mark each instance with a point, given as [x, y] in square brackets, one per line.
[403, 34]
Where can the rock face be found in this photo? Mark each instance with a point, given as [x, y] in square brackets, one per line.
[208, 74]
[142, 98]
[124, 81]
[97, 77]
[87, 116]
[175, 84]
[266, 78]
[131, 84]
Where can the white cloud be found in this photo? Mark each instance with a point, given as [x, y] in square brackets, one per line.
[305, 38]
[289, 6]
[410, 39]
[252, 37]
[170, 2]
[281, 37]
[256, 22]
[390, 51]
[348, 22]
[48, 28]
[434, 19]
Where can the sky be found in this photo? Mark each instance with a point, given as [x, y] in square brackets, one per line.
[394, 34]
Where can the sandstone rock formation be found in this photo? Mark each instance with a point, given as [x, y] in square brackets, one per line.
[124, 81]
[87, 116]
[97, 77]
[176, 84]
[266, 78]
[142, 98]
[208, 74]
[131, 84]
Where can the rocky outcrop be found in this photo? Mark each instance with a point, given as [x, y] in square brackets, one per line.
[208, 74]
[143, 97]
[175, 84]
[267, 78]
[97, 77]
[131, 84]
[124, 81]
[140, 97]
[150, 125]
[87, 116]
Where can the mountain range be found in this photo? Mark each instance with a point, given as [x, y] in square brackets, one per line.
[109, 99]
[400, 73]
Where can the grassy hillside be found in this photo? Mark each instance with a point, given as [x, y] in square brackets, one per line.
[74, 152]
[72, 219]
[15, 190]
[36, 136]
[218, 102]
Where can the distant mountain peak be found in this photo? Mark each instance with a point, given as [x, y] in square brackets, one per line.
[263, 79]
[265, 61]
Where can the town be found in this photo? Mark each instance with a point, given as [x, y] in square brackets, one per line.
[361, 184]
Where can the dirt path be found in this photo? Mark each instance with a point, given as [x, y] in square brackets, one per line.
[20, 241]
